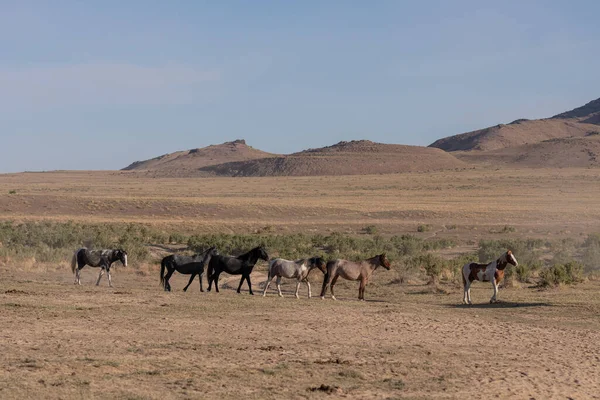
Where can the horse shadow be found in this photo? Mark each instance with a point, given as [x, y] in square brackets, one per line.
[500, 304]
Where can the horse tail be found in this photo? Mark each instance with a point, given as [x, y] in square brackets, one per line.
[462, 273]
[74, 260]
[163, 266]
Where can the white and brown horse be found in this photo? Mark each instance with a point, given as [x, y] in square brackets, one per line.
[491, 272]
[353, 271]
[299, 269]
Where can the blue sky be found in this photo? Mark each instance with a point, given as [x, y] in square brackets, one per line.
[100, 84]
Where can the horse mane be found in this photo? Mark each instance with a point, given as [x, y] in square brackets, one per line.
[246, 256]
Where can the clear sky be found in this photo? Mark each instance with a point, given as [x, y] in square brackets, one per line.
[100, 84]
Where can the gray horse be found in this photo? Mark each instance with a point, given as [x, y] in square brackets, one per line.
[353, 271]
[96, 258]
[299, 269]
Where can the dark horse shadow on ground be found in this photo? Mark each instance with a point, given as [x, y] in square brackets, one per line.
[500, 304]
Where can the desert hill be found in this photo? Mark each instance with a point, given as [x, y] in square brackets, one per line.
[578, 122]
[344, 158]
[569, 139]
[189, 161]
[559, 153]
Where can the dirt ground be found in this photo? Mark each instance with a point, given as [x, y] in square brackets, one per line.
[135, 341]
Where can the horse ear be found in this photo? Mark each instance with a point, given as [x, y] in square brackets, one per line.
[509, 252]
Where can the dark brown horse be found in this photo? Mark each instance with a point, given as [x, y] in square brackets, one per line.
[353, 271]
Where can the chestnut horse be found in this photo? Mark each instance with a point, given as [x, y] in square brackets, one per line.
[353, 271]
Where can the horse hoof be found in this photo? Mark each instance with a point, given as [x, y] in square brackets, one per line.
[333, 298]
[252, 293]
[322, 297]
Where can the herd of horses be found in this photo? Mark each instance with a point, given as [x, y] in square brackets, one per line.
[215, 264]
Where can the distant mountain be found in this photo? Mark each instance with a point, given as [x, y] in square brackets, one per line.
[575, 123]
[586, 113]
[521, 139]
[580, 152]
[189, 161]
[358, 157]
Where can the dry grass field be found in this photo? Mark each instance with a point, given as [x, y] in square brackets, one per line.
[537, 202]
[408, 340]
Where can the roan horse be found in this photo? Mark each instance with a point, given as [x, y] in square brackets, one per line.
[240, 265]
[353, 271]
[278, 267]
[492, 272]
[96, 258]
[187, 265]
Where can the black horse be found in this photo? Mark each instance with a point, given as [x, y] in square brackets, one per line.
[96, 258]
[240, 265]
[187, 265]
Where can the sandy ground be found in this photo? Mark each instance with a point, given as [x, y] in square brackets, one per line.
[135, 341]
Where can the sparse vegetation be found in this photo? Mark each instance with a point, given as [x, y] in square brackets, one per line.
[370, 229]
[569, 273]
[423, 228]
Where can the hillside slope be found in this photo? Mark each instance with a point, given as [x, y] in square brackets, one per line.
[578, 122]
[190, 161]
[344, 158]
[580, 152]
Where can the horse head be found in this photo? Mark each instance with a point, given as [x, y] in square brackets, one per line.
[209, 253]
[510, 258]
[319, 263]
[384, 262]
[262, 253]
[121, 256]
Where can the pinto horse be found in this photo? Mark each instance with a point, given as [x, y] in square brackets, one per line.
[278, 267]
[187, 265]
[96, 258]
[353, 271]
[491, 272]
[240, 265]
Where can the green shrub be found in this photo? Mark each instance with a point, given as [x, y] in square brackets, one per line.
[431, 264]
[569, 273]
[370, 229]
[423, 228]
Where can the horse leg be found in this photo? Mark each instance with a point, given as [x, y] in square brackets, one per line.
[308, 284]
[279, 286]
[200, 279]
[361, 289]
[333, 281]
[297, 288]
[495, 284]
[249, 284]
[216, 281]
[167, 277]
[109, 277]
[241, 282]
[269, 279]
[190, 282]
[78, 275]
[326, 279]
[467, 292]
[100, 276]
